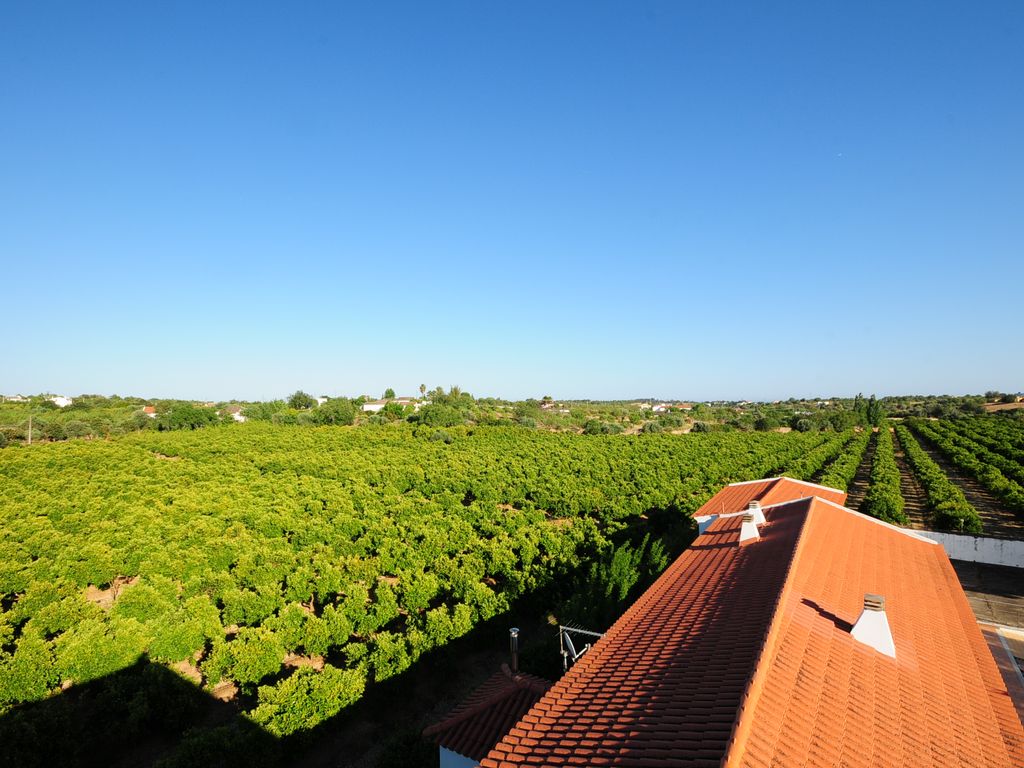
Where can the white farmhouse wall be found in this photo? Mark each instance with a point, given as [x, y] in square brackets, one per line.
[978, 549]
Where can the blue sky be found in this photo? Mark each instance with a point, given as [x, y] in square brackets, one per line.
[606, 200]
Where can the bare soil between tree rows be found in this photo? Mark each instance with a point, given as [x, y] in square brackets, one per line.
[862, 480]
[997, 521]
[915, 503]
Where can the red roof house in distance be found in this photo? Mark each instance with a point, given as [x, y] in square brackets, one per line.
[792, 632]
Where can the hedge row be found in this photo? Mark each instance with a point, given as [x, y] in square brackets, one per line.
[989, 447]
[884, 499]
[950, 509]
[975, 460]
[840, 473]
[806, 466]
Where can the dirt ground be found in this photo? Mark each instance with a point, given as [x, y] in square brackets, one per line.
[997, 521]
[862, 480]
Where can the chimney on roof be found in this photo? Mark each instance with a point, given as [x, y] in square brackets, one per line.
[872, 628]
[755, 507]
[748, 531]
[513, 645]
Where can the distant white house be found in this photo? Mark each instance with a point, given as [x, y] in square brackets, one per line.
[60, 401]
[235, 412]
[661, 408]
[321, 400]
[375, 406]
[149, 410]
[15, 399]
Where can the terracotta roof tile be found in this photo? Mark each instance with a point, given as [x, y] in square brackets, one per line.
[488, 713]
[743, 656]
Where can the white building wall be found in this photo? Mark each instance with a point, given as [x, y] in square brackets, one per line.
[451, 759]
[978, 549]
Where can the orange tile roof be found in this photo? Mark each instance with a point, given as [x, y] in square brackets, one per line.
[742, 656]
[486, 715]
[734, 498]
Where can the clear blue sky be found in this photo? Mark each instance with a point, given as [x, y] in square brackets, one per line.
[607, 200]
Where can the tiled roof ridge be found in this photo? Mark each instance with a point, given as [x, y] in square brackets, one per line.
[519, 680]
[748, 702]
[779, 478]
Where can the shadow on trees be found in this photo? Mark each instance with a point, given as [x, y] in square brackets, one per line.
[132, 717]
[146, 715]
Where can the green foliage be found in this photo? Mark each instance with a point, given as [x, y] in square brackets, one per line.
[884, 499]
[595, 427]
[93, 647]
[951, 511]
[300, 401]
[807, 466]
[365, 546]
[439, 415]
[264, 411]
[1001, 475]
[390, 656]
[186, 416]
[599, 596]
[392, 412]
[337, 411]
[840, 473]
[179, 634]
[307, 698]
[389, 394]
[29, 673]
[255, 653]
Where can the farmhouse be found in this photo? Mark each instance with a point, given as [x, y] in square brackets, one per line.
[792, 632]
[235, 412]
[60, 401]
[374, 406]
[149, 410]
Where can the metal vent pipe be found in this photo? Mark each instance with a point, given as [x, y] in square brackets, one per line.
[513, 645]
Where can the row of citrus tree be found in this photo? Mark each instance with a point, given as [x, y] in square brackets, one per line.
[300, 565]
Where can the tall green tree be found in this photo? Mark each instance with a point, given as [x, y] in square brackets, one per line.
[301, 401]
[339, 410]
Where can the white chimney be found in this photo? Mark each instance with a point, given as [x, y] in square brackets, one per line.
[755, 507]
[748, 531]
[872, 628]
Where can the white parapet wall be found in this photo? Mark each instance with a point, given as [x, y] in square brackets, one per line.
[978, 549]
